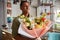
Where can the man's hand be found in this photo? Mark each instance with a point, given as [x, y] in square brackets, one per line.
[38, 38]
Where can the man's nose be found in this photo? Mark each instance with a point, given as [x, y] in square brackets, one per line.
[28, 8]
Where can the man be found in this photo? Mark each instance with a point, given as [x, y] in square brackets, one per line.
[24, 6]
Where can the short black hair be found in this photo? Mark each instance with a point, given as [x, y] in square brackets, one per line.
[23, 2]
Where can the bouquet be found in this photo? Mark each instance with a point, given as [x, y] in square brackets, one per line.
[36, 27]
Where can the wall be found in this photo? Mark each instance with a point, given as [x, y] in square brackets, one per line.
[1, 17]
[56, 8]
[33, 11]
[2, 14]
[15, 10]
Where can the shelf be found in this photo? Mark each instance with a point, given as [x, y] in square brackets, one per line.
[57, 21]
[9, 8]
[7, 30]
[46, 4]
[56, 30]
[9, 1]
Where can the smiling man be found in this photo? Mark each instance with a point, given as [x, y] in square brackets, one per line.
[25, 8]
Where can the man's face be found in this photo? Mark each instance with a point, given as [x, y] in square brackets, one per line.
[25, 7]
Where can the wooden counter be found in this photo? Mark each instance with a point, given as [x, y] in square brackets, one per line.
[7, 35]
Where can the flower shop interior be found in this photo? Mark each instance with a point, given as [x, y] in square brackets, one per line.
[43, 10]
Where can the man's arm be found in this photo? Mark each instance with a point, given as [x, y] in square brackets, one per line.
[15, 26]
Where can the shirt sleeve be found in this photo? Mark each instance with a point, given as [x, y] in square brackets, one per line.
[15, 26]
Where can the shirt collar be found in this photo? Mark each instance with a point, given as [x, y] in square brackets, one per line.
[27, 16]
